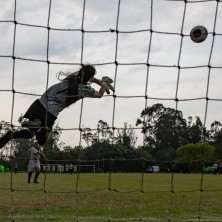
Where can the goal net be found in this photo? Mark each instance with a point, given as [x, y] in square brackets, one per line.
[145, 47]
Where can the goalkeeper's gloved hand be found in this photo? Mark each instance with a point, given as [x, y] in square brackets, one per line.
[108, 81]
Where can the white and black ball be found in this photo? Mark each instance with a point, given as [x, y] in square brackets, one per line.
[198, 34]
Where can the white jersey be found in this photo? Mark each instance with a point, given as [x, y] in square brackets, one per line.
[54, 98]
[53, 168]
[48, 168]
[44, 168]
[70, 166]
[34, 160]
[59, 168]
[34, 154]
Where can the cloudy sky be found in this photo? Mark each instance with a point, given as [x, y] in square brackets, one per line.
[132, 51]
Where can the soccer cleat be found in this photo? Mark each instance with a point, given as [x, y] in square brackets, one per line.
[30, 123]
[5, 139]
[35, 181]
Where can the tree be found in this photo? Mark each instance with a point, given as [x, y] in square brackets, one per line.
[53, 142]
[163, 127]
[145, 153]
[21, 151]
[195, 155]
[103, 133]
[103, 153]
[197, 133]
[126, 136]
[216, 126]
[216, 136]
[195, 152]
[8, 148]
[218, 143]
[87, 135]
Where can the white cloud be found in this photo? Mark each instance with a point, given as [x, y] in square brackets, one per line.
[7, 10]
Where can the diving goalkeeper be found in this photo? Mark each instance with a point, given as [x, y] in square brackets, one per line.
[41, 115]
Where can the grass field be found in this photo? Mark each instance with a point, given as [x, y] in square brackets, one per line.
[115, 197]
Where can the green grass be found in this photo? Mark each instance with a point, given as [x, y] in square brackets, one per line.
[131, 197]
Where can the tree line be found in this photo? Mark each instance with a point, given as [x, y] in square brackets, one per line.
[170, 141]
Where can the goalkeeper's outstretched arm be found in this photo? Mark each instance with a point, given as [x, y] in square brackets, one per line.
[104, 87]
[104, 83]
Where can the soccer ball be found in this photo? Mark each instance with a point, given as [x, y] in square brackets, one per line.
[198, 34]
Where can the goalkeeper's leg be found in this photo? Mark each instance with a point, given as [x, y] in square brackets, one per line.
[21, 134]
[42, 136]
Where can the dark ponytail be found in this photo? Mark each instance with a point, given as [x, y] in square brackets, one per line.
[83, 77]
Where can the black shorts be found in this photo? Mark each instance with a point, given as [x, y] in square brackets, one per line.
[38, 111]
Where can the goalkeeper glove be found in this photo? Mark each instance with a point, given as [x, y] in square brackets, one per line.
[108, 81]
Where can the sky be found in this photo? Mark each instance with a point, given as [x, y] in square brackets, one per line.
[100, 47]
